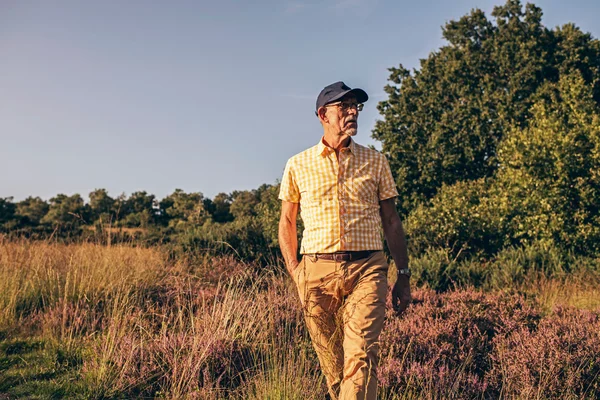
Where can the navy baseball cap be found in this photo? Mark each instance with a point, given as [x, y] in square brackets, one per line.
[336, 91]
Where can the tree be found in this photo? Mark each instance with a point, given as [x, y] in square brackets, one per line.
[66, 211]
[139, 210]
[546, 188]
[443, 123]
[32, 210]
[182, 210]
[244, 203]
[101, 205]
[7, 211]
[549, 180]
[219, 208]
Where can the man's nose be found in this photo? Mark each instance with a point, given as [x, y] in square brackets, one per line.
[353, 110]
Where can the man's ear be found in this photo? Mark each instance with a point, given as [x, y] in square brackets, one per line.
[322, 114]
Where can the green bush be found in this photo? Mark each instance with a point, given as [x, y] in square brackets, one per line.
[243, 237]
[461, 218]
[509, 268]
[547, 186]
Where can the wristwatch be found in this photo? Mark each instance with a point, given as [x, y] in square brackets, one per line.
[405, 271]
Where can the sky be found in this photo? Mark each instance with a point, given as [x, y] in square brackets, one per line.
[205, 96]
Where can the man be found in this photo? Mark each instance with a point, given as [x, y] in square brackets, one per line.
[345, 193]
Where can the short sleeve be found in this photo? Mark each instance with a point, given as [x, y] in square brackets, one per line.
[288, 190]
[387, 186]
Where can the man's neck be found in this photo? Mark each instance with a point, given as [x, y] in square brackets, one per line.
[336, 142]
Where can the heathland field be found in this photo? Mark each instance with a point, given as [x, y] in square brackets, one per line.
[94, 321]
[493, 141]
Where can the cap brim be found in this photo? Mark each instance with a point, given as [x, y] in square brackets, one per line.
[361, 95]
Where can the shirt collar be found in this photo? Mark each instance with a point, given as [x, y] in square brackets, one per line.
[324, 150]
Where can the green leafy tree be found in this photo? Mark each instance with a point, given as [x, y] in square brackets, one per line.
[268, 212]
[183, 210]
[461, 218]
[546, 188]
[139, 210]
[32, 210]
[549, 180]
[244, 203]
[65, 211]
[443, 122]
[219, 208]
[7, 213]
[101, 205]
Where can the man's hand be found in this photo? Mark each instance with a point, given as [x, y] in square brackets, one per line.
[401, 297]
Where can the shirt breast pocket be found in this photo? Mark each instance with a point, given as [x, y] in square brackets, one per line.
[364, 190]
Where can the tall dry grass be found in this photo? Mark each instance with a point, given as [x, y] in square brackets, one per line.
[130, 322]
[38, 276]
[145, 326]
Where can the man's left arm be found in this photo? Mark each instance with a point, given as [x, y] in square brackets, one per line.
[396, 240]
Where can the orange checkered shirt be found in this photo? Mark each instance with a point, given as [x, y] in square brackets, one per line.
[339, 202]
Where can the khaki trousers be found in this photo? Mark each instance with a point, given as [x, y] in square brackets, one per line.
[344, 309]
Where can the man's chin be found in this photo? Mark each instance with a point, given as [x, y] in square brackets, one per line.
[351, 132]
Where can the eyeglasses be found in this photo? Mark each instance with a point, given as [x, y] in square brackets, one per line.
[347, 106]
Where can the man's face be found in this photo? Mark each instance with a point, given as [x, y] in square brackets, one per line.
[343, 115]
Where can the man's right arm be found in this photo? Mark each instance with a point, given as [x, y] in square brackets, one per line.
[288, 240]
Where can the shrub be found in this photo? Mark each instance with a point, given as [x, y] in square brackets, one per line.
[546, 187]
[560, 358]
[470, 345]
[510, 268]
[441, 346]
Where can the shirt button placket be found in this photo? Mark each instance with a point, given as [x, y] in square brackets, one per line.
[336, 170]
[341, 199]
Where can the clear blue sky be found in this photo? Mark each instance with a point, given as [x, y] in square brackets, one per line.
[208, 96]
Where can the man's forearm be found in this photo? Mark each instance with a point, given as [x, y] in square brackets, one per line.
[288, 241]
[396, 240]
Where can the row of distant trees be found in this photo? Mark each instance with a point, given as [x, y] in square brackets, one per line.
[494, 142]
[234, 220]
[243, 223]
[139, 210]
